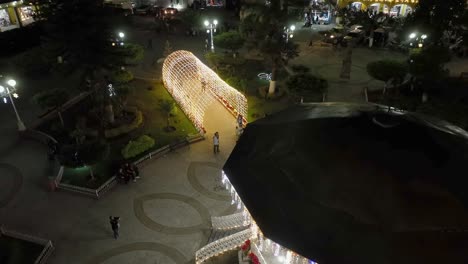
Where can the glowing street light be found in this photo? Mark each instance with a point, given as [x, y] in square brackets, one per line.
[424, 36]
[121, 35]
[412, 35]
[289, 32]
[10, 90]
[211, 27]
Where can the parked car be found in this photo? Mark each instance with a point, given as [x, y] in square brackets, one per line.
[333, 35]
[169, 13]
[357, 36]
[143, 10]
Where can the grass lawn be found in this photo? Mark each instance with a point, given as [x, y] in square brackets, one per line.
[146, 96]
[17, 251]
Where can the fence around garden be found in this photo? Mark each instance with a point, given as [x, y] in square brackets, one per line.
[45, 253]
[109, 184]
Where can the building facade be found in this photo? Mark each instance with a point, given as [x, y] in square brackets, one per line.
[15, 14]
[391, 7]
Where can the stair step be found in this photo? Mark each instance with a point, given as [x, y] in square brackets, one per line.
[218, 234]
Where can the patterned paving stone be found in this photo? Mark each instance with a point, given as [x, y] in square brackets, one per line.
[170, 252]
[195, 183]
[142, 216]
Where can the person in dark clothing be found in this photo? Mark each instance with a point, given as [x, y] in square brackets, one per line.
[115, 225]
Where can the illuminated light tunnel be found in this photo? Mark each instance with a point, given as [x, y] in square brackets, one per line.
[195, 86]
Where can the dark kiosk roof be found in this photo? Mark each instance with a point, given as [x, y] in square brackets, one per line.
[345, 183]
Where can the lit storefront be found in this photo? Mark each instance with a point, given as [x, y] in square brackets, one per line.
[391, 7]
[15, 14]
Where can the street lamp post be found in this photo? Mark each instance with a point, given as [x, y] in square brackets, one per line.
[289, 32]
[9, 90]
[211, 27]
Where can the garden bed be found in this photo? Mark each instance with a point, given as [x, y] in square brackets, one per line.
[14, 251]
[145, 96]
[80, 176]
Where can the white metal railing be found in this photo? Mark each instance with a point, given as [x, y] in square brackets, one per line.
[230, 221]
[78, 189]
[222, 245]
[45, 254]
[46, 251]
[106, 186]
[258, 253]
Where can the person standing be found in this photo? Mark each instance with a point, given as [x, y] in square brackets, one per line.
[216, 143]
[240, 121]
[114, 221]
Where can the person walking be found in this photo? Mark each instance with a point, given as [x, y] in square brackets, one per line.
[114, 221]
[216, 143]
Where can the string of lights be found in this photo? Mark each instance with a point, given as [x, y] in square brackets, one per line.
[195, 86]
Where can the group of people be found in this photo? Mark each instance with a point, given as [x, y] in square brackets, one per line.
[239, 131]
[128, 171]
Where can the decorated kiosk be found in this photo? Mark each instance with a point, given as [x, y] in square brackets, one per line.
[346, 183]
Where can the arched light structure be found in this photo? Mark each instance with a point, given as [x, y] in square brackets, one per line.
[195, 86]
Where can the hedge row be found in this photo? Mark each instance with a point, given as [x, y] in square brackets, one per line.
[138, 146]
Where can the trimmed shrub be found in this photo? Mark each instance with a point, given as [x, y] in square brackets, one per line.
[138, 146]
[124, 129]
[307, 86]
[384, 70]
[121, 76]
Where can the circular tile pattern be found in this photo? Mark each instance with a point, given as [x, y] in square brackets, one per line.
[193, 180]
[142, 216]
[12, 179]
[170, 252]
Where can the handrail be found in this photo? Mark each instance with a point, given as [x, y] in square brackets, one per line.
[46, 251]
[45, 254]
[230, 221]
[222, 245]
[96, 193]
[78, 189]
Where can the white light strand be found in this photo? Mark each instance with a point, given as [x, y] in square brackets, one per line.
[288, 257]
[277, 249]
[195, 86]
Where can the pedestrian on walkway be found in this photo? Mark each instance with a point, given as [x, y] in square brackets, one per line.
[240, 121]
[216, 143]
[114, 221]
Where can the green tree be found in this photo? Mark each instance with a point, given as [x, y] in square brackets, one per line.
[83, 34]
[230, 40]
[265, 32]
[435, 17]
[428, 64]
[167, 107]
[307, 87]
[54, 98]
[368, 20]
